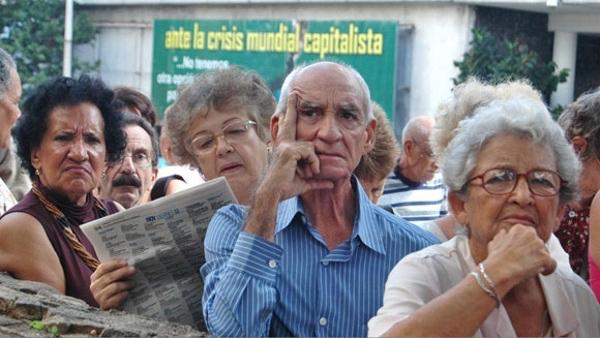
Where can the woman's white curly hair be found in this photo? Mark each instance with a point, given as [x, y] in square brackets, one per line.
[477, 112]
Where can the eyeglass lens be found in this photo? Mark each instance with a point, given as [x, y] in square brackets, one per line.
[541, 182]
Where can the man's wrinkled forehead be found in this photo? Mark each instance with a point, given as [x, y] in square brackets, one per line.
[324, 71]
[326, 75]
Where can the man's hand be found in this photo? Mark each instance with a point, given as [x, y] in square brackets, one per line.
[294, 164]
[109, 283]
[292, 172]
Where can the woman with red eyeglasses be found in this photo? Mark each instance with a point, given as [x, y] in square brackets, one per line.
[509, 172]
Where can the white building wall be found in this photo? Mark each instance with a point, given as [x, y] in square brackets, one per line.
[441, 35]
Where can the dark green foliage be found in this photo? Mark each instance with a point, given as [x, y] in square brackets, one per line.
[32, 31]
[496, 60]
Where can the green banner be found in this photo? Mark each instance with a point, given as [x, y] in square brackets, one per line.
[182, 48]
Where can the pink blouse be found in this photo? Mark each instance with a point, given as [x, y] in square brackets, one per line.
[594, 277]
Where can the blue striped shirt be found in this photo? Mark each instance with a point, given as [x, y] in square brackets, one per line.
[295, 286]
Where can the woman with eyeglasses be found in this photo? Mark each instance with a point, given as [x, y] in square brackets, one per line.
[67, 132]
[219, 124]
[509, 171]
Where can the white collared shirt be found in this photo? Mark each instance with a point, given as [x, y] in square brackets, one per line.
[7, 200]
[425, 275]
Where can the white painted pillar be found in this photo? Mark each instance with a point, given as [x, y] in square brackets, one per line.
[68, 43]
[565, 51]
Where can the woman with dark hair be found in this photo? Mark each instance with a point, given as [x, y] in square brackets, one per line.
[67, 132]
[133, 101]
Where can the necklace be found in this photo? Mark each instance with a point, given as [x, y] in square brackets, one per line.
[91, 261]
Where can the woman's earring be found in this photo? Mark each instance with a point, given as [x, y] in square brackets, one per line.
[37, 171]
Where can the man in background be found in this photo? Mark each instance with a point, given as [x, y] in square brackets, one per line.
[129, 180]
[415, 190]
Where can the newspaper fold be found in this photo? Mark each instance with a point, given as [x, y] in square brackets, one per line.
[164, 240]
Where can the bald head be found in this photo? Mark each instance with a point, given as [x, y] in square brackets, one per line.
[418, 129]
[416, 161]
[326, 67]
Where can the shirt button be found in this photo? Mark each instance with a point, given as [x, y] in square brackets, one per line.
[325, 263]
[272, 264]
[323, 321]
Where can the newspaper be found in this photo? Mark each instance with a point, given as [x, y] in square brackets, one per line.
[164, 240]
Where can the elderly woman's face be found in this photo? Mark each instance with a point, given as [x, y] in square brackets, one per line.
[485, 214]
[72, 153]
[226, 143]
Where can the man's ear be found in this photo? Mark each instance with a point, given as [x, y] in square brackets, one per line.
[457, 207]
[154, 174]
[274, 128]
[408, 151]
[579, 144]
[370, 142]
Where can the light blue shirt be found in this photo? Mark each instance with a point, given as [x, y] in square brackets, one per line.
[295, 286]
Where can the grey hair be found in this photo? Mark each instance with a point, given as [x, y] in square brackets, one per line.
[582, 118]
[289, 80]
[517, 114]
[7, 63]
[213, 90]
[131, 119]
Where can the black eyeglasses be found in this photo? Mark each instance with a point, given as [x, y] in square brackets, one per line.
[501, 181]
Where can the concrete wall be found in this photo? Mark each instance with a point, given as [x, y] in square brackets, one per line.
[441, 35]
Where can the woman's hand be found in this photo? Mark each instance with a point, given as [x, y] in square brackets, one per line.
[109, 283]
[516, 255]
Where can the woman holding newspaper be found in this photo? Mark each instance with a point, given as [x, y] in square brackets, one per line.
[67, 132]
[219, 124]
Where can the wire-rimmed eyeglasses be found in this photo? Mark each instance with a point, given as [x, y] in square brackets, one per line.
[234, 132]
[139, 159]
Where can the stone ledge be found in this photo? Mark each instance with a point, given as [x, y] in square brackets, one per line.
[24, 302]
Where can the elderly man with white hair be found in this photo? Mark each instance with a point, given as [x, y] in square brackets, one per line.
[415, 190]
[310, 255]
